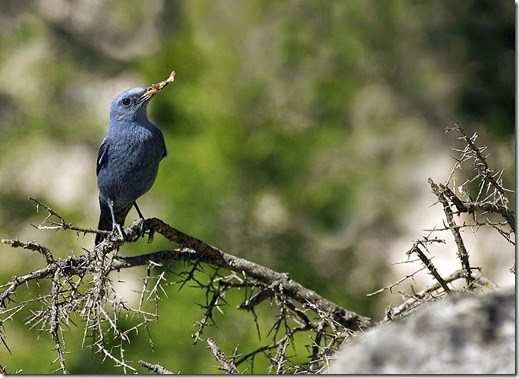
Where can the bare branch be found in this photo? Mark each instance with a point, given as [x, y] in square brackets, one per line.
[61, 224]
[428, 264]
[480, 161]
[488, 178]
[407, 306]
[197, 250]
[17, 281]
[394, 284]
[155, 368]
[54, 321]
[208, 316]
[463, 255]
[227, 364]
[98, 306]
[31, 246]
[81, 286]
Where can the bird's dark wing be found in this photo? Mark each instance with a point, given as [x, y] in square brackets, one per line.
[102, 155]
[165, 149]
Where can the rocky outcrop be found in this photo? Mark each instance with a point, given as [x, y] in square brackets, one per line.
[462, 334]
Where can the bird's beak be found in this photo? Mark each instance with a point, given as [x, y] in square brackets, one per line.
[156, 88]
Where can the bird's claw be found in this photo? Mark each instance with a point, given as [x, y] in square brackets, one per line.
[122, 234]
[141, 227]
[141, 232]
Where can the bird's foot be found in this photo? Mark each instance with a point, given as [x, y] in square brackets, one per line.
[120, 230]
[140, 225]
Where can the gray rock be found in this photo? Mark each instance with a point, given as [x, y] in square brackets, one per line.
[463, 334]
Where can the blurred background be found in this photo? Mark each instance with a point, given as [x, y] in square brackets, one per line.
[300, 136]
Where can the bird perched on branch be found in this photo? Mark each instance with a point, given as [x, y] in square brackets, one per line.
[129, 157]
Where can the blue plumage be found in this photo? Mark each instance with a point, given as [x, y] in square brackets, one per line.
[128, 159]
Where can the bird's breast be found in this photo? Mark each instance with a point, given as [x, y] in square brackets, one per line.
[132, 164]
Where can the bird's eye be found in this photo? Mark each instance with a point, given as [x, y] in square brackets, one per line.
[126, 101]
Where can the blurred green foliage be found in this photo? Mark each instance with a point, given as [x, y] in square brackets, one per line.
[295, 132]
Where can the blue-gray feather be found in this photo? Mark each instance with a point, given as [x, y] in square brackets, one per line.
[128, 159]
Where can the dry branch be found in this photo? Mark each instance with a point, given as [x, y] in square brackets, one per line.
[97, 304]
[439, 191]
[154, 368]
[428, 264]
[197, 250]
[81, 286]
[489, 180]
[227, 364]
[490, 199]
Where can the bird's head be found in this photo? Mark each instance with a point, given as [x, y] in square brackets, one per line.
[132, 103]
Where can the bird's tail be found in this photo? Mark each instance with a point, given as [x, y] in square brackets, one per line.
[105, 218]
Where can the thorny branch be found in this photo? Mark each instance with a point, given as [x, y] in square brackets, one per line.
[227, 364]
[489, 180]
[203, 252]
[81, 286]
[154, 368]
[439, 191]
[99, 306]
[420, 297]
[490, 199]
[61, 224]
[428, 264]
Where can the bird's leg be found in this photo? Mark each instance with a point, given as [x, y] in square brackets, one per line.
[138, 210]
[141, 218]
[115, 225]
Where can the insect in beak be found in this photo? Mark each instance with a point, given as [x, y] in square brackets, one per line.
[156, 88]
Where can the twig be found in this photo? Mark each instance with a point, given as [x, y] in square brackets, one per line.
[154, 368]
[314, 358]
[256, 299]
[428, 264]
[227, 364]
[197, 250]
[17, 281]
[411, 303]
[208, 316]
[488, 177]
[62, 224]
[98, 292]
[480, 161]
[463, 255]
[273, 345]
[488, 223]
[31, 246]
[54, 321]
[391, 286]
[398, 311]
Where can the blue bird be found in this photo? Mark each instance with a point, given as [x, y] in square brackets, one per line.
[129, 157]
